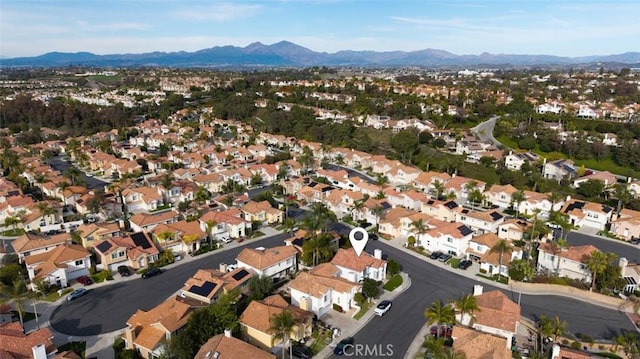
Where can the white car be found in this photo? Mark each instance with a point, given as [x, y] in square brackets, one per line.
[382, 308]
[177, 257]
[224, 239]
[231, 267]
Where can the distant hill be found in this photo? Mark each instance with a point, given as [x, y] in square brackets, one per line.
[285, 53]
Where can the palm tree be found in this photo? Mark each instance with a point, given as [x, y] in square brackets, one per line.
[438, 188]
[439, 313]
[552, 327]
[381, 181]
[202, 195]
[466, 304]
[318, 247]
[555, 197]
[597, 262]
[12, 221]
[165, 236]
[339, 159]
[556, 249]
[289, 225]
[283, 171]
[516, 198]
[211, 224]
[420, 228]
[378, 212]
[17, 292]
[73, 174]
[501, 246]
[281, 326]
[46, 210]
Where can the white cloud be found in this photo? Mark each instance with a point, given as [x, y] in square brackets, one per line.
[220, 12]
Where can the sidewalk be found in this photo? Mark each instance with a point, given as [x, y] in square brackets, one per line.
[100, 346]
[350, 326]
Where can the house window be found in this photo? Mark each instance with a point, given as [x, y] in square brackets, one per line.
[463, 218]
[449, 239]
[80, 262]
[289, 261]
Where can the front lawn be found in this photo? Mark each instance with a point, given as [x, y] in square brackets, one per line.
[53, 296]
[455, 262]
[320, 341]
[13, 232]
[364, 308]
[393, 283]
[257, 234]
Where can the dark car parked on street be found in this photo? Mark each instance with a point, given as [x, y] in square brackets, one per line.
[151, 273]
[436, 255]
[339, 349]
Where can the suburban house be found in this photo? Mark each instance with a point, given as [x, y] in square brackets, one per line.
[588, 214]
[500, 195]
[513, 229]
[255, 322]
[314, 192]
[496, 314]
[318, 293]
[276, 262]
[630, 272]
[92, 233]
[147, 331]
[261, 212]
[391, 223]
[226, 346]
[448, 237]
[142, 199]
[207, 285]
[627, 224]
[147, 222]
[31, 244]
[559, 169]
[356, 268]
[607, 178]
[225, 223]
[443, 210]
[136, 250]
[480, 221]
[181, 236]
[16, 344]
[565, 262]
[514, 161]
[476, 344]
[59, 266]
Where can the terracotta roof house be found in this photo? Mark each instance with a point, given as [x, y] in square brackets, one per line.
[500, 195]
[559, 352]
[255, 322]
[30, 244]
[356, 268]
[565, 262]
[607, 178]
[318, 293]
[480, 221]
[206, 285]
[496, 314]
[226, 223]
[588, 214]
[59, 266]
[273, 262]
[16, 344]
[224, 346]
[147, 331]
[626, 225]
[513, 229]
[475, 344]
[147, 222]
[92, 233]
[136, 250]
[181, 236]
[261, 212]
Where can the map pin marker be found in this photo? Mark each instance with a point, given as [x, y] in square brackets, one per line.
[358, 238]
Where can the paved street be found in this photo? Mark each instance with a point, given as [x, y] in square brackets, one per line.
[351, 172]
[484, 130]
[107, 308]
[629, 251]
[58, 163]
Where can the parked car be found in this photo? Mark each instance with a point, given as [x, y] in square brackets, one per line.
[445, 257]
[301, 352]
[151, 273]
[373, 236]
[339, 349]
[84, 280]
[442, 331]
[124, 271]
[635, 241]
[77, 294]
[382, 308]
[177, 257]
[435, 255]
[224, 239]
[464, 264]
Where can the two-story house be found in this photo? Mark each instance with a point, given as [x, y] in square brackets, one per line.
[480, 221]
[227, 223]
[207, 285]
[565, 262]
[136, 250]
[588, 214]
[318, 293]
[31, 244]
[59, 266]
[229, 347]
[626, 225]
[261, 212]
[356, 268]
[276, 262]
[147, 222]
[448, 237]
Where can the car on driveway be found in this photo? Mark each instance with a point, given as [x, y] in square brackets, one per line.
[339, 349]
[635, 241]
[464, 264]
[177, 257]
[382, 308]
[445, 257]
[84, 280]
[77, 294]
[151, 273]
[301, 352]
[436, 255]
[124, 271]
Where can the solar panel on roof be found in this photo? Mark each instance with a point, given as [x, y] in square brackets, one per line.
[495, 215]
[203, 290]
[104, 246]
[464, 230]
[140, 240]
[241, 274]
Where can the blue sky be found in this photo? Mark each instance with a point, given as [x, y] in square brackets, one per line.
[555, 27]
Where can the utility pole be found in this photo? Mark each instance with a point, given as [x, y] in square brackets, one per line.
[35, 311]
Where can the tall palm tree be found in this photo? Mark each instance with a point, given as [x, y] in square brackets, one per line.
[501, 246]
[597, 262]
[73, 174]
[555, 197]
[439, 313]
[202, 195]
[466, 304]
[211, 224]
[164, 237]
[552, 327]
[438, 188]
[556, 249]
[516, 198]
[382, 181]
[378, 212]
[318, 247]
[289, 225]
[12, 221]
[420, 228]
[46, 210]
[281, 326]
[17, 293]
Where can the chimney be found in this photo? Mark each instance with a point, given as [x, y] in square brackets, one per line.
[377, 253]
[477, 290]
[223, 267]
[227, 333]
[129, 336]
[39, 351]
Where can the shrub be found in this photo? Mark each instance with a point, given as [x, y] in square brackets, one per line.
[411, 241]
[393, 283]
[576, 345]
[393, 267]
[483, 271]
[359, 298]
[337, 308]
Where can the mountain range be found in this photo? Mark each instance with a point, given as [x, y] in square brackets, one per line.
[285, 53]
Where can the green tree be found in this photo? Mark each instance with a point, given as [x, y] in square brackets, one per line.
[12, 221]
[316, 249]
[211, 224]
[289, 225]
[405, 143]
[370, 288]
[73, 174]
[439, 313]
[202, 195]
[554, 328]
[521, 270]
[516, 198]
[466, 305]
[420, 228]
[260, 287]
[281, 326]
[393, 267]
[597, 262]
[256, 179]
[591, 188]
[17, 293]
[10, 273]
[501, 246]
